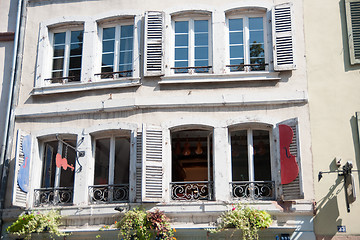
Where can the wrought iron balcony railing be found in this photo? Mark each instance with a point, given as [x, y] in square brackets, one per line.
[191, 191]
[109, 193]
[53, 196]
[191, 70]
[258, 190]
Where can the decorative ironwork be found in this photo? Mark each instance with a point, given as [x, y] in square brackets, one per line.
[127, 73]
[109, 193]
[53, 196]
[262, 190]
[62, 79]
[248, 67]
[199, 69]
[190, 191]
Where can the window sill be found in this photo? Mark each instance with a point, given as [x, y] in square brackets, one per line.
[78, 87]
[220, 78]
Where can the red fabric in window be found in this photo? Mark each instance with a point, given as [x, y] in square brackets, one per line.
[289, 166]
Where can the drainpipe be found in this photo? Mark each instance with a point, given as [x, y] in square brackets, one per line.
[12, 102]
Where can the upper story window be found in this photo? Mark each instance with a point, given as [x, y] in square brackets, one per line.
[117, 50]
[67, 56]
[192, 44]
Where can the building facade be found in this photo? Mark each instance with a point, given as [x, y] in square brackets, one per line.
[188, 108]
[334, 104]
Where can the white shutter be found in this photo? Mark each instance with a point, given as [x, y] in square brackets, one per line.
[153, 44]
[19, 197]
[353, 26]
[283, 37]
[152, 167]
[138, 165]
[294, 189]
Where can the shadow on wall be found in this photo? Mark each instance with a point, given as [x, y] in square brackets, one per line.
[327, 216]
[356, 139]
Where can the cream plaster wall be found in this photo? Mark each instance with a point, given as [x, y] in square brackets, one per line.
[334, 98]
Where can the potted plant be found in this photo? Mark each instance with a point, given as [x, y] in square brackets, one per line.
[246, 219]
[36, 222]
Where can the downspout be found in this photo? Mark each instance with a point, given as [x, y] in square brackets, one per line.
[6, 146]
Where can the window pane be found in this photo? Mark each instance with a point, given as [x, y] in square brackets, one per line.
[126, 44]
[239, 156]
[201, 25]
[127, 31]
[181, 27]
[236, 38]
[262, 166]
[58, 63]
[181, 64]
[201, 53]
[122, 160]
[181, 53]
[237, 51]
[107, 59]
[76, 36]
[260, 61]
[76, 74]
[107, 69]
[102, 156]
[75, 49]
[256, 37]
[57, 74]
[126, 57]
[59, 38]
[59, 50]
[109, 33]
[236, 24]
[108, 46]
[49, 164]
[181, 40]
[256, 50]
[67, 176]
[125, 67]
[75, 62]
[236, 62]
[201, 39]
[256, 23]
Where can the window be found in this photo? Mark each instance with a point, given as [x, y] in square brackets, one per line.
[117, 51]
[251, 164]
[67, 56]
[191, 165]
[192, 47]
[353, 20]
[57, 180]
[111, 172]
[246, 43]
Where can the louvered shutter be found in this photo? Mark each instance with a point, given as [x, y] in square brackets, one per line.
[353, 26]
[152, 167]
[153, 44]
[138, 165]
[21, 184]
[283, 37]
[293, 190]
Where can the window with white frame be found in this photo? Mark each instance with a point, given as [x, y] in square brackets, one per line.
[111, 172]
[117, 43]
[251, 164]
[67, 55]
[247, 42]
[192, 45]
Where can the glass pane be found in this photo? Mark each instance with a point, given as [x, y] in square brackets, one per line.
[76, 74]
[256, 23]
[181, 64]
[107, 69]
[58, 63]
[201, 52]
[102, 156]
[256, 50]
[181, 27]
[109, 33]
[107, 59]
[239, 156]
[256, 37]
[49, 164]
[57, 74]
[67, 176]
[76, 36]
[59, 50]
[181, 53]
[262, 166]
[181, 40]
[236, 24]
[201, 39]
[260, 61]
[201, 25]
[122, 160]
[108, 46]
[125, 67]
[75, 62]
[202, 63]
[59, 38]
[125, 57]
[75, 49]
[126, 44]
[236, 38]
[236, 62]
[127, 31]
[237, 51]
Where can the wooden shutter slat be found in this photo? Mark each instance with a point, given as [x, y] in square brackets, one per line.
[138, 166]
[353, 25]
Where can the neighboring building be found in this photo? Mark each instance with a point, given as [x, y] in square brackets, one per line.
[186, 107]
[334, 85]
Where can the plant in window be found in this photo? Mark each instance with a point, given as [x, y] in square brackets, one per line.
[246, 219]
[138, 224]
[37, 222]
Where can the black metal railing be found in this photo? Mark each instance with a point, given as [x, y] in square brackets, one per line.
[250, 67]
[109, 193]
[257, 190]
[120, 74]
[63, 79]
[199, 69]
[191, 191]
[53, 196]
